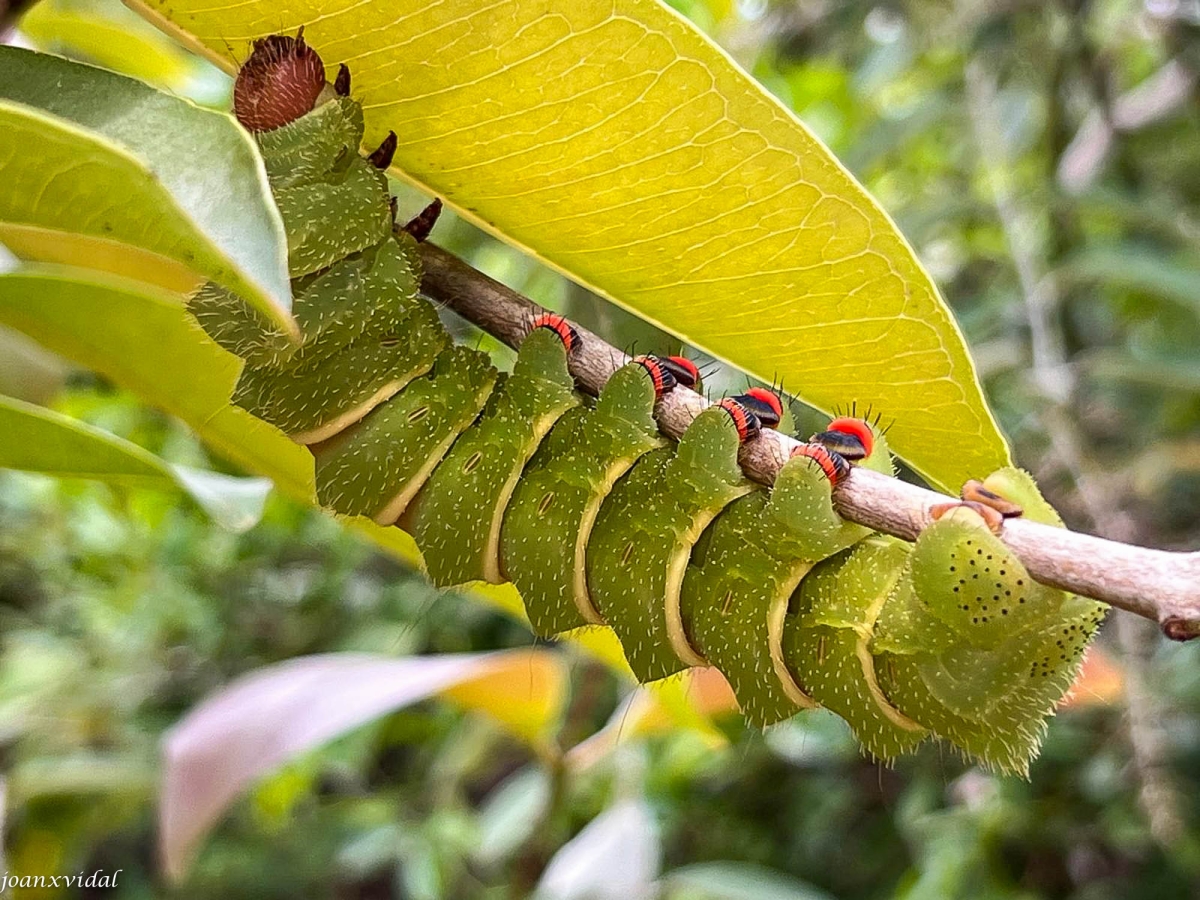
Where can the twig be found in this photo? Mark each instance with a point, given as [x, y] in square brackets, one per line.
[1156, 584]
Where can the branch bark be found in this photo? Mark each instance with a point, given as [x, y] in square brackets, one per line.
[1156, 584]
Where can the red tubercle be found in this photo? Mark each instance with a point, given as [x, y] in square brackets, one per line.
[420, 225]
[560, 326]
[660, 375]
[278, 83]
[857, 428]
[833, 464]
[683, 370]
[746, 422]
[765, 404]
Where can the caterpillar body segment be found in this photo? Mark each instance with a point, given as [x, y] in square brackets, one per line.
[332, 219]
[308, 149]
[728, 592]
[458, 515]
[743, 575]
[375, 467]
[827, 637]
[969, 581]
[370, 292]
[644, 535]
[332, 200]
[993, 704]
[316, 401]
[549, 523]
[239, 328]
[976, 650]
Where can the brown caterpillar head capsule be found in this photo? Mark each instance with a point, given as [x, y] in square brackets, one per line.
[278, 84]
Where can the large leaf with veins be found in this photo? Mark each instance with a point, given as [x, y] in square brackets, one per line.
[615, 142]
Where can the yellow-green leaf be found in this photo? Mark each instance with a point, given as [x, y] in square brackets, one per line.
[614, 141]
[89, 152]
[84, 251]
[142, 339]
[110, 35]
[35, 439]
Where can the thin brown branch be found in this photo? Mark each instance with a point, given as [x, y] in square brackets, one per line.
[1156, 584]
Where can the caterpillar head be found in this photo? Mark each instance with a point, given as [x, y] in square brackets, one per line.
[280, 82]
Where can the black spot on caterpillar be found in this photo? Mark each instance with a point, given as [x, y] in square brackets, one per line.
[591, 512]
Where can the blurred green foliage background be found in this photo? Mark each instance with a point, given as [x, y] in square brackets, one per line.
[1044, 160]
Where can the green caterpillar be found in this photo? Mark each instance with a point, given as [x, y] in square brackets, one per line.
[595, 516]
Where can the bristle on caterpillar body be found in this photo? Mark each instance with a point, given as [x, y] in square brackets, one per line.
[591, 512]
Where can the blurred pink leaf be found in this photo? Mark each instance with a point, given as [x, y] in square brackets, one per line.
[615, 857]
[270, 716]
